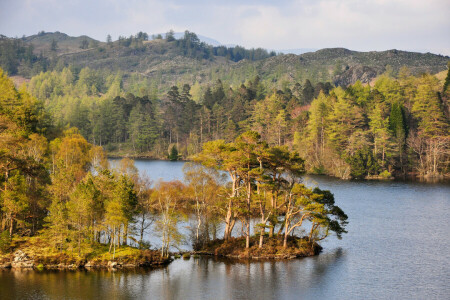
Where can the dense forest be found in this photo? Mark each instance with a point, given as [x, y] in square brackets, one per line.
[59, 195]
[396, 127]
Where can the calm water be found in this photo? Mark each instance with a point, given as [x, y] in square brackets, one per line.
[398, 247]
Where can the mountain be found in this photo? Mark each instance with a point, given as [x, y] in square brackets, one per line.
[171, 62]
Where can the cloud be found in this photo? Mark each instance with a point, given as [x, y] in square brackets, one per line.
[355, 24]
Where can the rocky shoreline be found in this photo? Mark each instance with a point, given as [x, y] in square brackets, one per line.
[20, 260]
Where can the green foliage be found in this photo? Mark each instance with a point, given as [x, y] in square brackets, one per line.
[385, 174]
[17, 56]
[397, 120]
[362, 163]
[173, 155]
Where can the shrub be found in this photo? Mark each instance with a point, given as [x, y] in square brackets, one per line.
[385, 174]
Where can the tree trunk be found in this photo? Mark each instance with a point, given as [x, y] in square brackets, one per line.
[142, 230]
[285, 240]
[228, 222]
[125, 235]
[249, 191]
[11, 227]
[261, 237]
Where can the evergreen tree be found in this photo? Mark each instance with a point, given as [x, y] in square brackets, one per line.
[173, 155]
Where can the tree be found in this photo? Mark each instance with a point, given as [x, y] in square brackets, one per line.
[222, 156]
[362, 163]
[109, 40]
[382, 135]
[281, 169]
[202, 187]
[170, 36]
[84, 44]
[54, 46]
[173, 155]
[433, 125]
[318, 207]
[166, 197]
[398, 126]
[14, 200]
[81, 208]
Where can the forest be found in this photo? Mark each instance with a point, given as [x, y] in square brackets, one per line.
[59, 196]
[398, 126]
[248, 145]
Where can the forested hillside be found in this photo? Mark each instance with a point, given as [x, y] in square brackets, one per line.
[350, 114]
[166, 61]
[397, 126]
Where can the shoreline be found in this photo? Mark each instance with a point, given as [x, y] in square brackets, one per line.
[412, 177]
[272, 249]
[19, 260]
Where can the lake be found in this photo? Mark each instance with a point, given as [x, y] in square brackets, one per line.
[397, 247]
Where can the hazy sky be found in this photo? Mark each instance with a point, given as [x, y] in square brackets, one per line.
[418, 25]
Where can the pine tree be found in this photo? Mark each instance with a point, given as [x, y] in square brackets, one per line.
[173, 155]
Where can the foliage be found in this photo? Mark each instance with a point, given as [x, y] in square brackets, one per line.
[173, 155]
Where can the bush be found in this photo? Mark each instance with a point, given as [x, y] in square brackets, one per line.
[385, 174]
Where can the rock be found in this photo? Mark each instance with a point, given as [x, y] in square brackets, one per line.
[21, 260]
[51, 267]
[22, 264]
[362, 73]
[112, 264]
[20, 256]
[89, 264]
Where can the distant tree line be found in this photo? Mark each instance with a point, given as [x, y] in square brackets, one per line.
[15, 54]
[191, 46]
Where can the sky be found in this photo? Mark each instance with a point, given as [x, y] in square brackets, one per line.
[363, 25]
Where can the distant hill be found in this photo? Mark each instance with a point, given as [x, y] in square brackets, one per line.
[169, 62]
[43, 40]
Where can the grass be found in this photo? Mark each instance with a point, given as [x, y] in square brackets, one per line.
[43, 253]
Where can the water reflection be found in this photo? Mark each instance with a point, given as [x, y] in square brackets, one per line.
[396, 248]
[202, 278]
